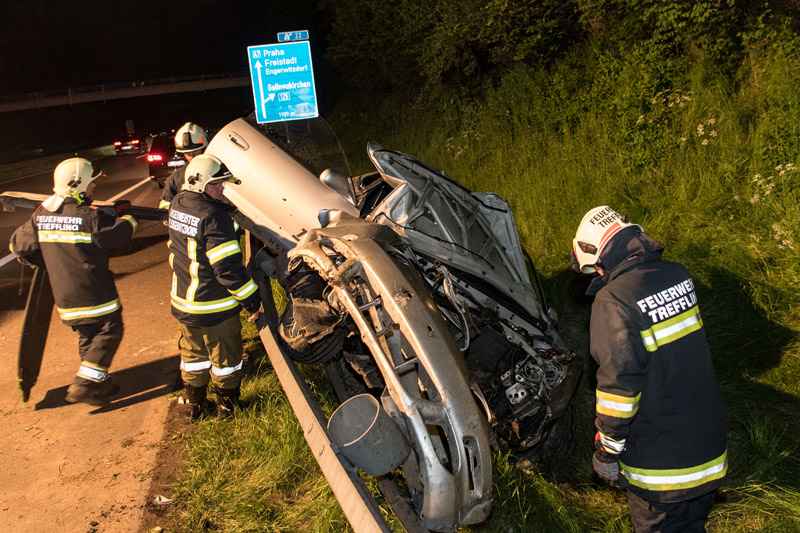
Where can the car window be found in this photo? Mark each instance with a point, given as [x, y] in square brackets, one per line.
[163, 143]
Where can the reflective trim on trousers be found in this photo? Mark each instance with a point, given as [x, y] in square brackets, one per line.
[92, 372]
[227, 371]
[195, 367]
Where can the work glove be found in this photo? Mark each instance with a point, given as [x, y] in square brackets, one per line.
[605, 464]
[122, 207]
[607, 467]
[33, 260]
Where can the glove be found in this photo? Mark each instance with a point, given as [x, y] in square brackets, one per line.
[33, 260]
[122, 207]
[607, 467]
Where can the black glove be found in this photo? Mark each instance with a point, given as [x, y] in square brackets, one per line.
[122, 207]
[33, 260]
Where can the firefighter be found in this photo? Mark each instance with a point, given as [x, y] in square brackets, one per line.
[190, 140]
[73, 238]
[209, 287]
[659, 416]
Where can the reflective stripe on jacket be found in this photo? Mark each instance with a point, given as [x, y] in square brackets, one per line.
[74, 242]
[209, 281]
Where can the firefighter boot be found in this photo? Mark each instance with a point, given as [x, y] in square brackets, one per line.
[197, 404]
[227, 401]
[93, 393]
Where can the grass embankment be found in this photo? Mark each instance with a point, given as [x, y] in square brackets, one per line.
[707, 164]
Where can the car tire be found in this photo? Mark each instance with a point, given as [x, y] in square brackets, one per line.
[308, 285]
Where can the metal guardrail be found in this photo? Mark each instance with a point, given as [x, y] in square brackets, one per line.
[18, 169]
[112, 91]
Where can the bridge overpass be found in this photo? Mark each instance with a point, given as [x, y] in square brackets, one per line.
[113, 91]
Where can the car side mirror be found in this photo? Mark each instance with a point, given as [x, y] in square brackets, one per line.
[339, 183]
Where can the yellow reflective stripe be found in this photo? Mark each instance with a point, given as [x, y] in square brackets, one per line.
[65, 236]
[235, 226]
[616, 406]
[245, 291]
[676, 478]
[163, 204]
[131, 221]
[92, 372]
[194, 268]
[222, 251]
[672, 329]
[73, 313]
[611, 445]
[202, 308]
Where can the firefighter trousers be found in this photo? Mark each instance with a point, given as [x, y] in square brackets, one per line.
[97, 344]
[689, 516]
[212, 353]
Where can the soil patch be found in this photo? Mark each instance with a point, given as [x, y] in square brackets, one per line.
[164, 518]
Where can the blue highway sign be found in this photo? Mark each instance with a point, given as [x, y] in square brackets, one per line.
[283, 81]
[301, 35]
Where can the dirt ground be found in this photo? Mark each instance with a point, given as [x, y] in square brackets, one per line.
[78, 468]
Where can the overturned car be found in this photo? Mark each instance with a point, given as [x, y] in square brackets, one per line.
[418, 293]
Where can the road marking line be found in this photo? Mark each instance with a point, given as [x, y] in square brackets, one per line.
[7, 259]
[129, 189]
[10, 257]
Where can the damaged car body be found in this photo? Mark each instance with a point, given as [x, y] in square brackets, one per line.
[418, 291]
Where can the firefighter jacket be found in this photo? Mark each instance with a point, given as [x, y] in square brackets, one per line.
[209, 281]
[172, 187]
[659, 406]
[74, 241]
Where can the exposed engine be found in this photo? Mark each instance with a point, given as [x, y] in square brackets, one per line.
[423, 288]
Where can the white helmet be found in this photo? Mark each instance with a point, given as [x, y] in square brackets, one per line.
[595, 231]
[190, 138]
[71, 178]
[204, 169]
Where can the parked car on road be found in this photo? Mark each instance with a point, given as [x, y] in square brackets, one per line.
[130, 143]
[163, 159]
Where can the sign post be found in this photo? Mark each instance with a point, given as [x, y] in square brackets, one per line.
[283, 81]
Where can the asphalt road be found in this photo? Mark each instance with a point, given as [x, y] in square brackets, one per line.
[76, 467]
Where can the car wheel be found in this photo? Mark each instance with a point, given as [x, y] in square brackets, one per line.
[304, 336]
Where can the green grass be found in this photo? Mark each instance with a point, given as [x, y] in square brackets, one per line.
[555, 143]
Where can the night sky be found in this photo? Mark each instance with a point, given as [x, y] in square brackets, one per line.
[72, 43]
[53, 45]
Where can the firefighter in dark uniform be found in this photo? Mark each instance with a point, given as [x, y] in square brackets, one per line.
[659, 416]
[73, 239]
[209, 287]
[190, 140]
